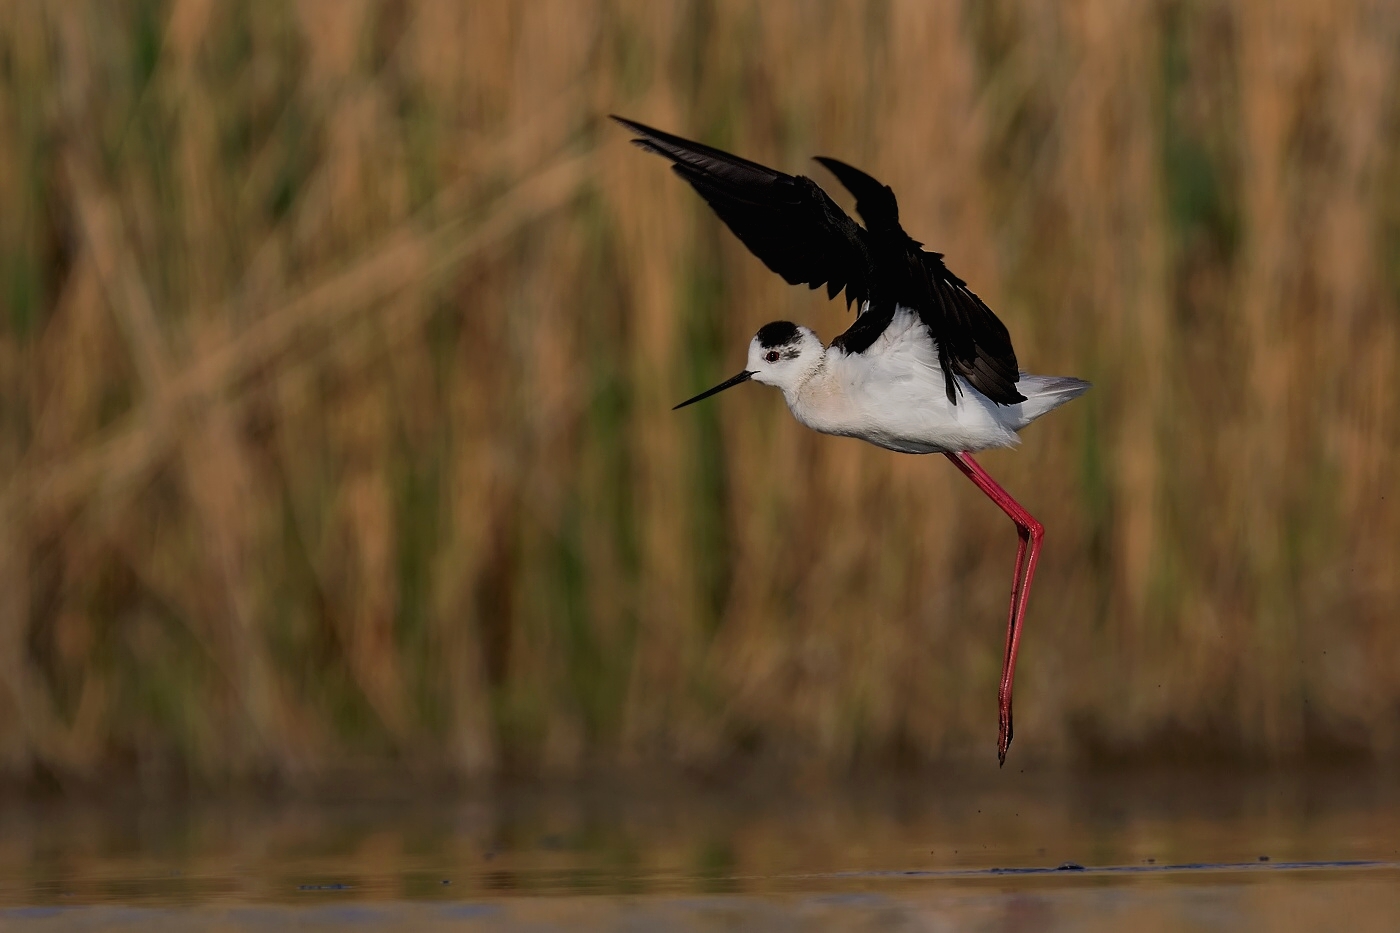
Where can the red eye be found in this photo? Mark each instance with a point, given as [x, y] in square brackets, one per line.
[771, 356]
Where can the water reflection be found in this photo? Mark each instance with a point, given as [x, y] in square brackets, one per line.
[1017, 846]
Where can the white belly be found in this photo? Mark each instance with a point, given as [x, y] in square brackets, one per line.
[893, 396]
[922, 424]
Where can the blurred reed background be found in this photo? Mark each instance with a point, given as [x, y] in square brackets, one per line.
[339, 340]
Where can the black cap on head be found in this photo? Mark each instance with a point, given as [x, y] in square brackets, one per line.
[777, 334]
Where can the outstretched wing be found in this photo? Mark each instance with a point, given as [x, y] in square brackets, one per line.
[787, 221]
[972, 342]
[791, 224]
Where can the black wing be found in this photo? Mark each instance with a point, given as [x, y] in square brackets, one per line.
[970, 337]
[787, 221]
[791, 224]
[972, 341]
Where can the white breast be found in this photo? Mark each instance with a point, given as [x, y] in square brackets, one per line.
[893, 396]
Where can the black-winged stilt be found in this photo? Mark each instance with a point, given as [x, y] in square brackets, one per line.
[925, 368]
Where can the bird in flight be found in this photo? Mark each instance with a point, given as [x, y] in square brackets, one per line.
[925, 368]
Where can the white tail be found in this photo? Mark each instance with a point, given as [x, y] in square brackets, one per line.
[1046, 393]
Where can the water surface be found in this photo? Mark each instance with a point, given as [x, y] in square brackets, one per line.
[995, 851]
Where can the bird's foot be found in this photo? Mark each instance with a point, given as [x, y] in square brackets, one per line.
[1004, 735]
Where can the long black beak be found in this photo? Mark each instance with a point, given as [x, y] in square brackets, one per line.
[726, 384]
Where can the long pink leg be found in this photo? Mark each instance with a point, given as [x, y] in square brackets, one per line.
[1030, 532]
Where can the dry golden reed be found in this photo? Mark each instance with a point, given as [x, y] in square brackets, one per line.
[338, 341]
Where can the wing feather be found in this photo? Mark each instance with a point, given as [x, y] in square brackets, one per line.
[972, 340]
[787, 221]
[799, 232]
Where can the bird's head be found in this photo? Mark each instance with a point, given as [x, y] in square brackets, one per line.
[781, 354]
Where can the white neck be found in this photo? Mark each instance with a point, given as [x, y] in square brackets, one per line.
[820, 401]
